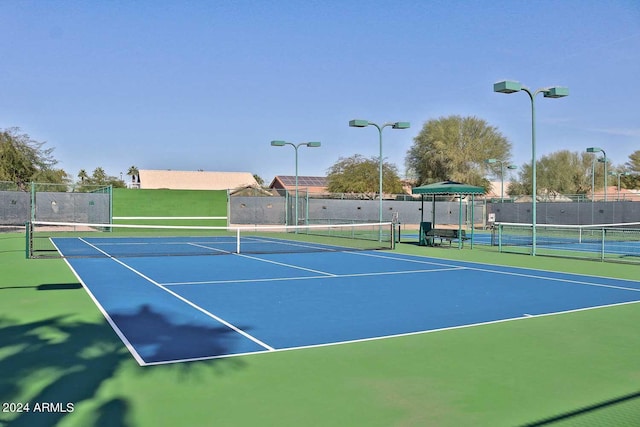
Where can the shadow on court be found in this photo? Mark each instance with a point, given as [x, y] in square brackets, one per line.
[158, 339]
[621, 411]
[63, 361]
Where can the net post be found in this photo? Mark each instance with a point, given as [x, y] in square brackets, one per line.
[32, 213]
[237, 240]
[604, 234]
[395, 228]
[111, 204]
[500, 237]
[392, 236]
[228, 207]
[28, 243]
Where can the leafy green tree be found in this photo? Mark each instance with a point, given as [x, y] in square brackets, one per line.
[23, 160]
[561, 172]
[98, 178]
[57, 179]
[633, 167]
[116, 182]
[456, 148]
[634, 162]
[357, 174]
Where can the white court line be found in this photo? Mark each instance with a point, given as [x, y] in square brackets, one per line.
[197, 307]
[269, 261]
[332, 276]
[301, 244]
[495, 265]
[406, 334]
[510, 273]
[285, 264]
[450, 267]
[169, 217]
[110, 321]
[199, 245]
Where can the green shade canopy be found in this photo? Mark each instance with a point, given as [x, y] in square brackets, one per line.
[447, 187]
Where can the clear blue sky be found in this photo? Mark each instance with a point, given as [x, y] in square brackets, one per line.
[208, 84]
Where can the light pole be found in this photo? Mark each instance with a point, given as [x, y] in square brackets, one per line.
[509, 86]
[295, 146]
[394, 125]
[491, 161]
[593, 176]
[619, 174]
[603, 160]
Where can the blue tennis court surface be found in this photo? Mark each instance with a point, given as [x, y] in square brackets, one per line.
[170, 309]
[611, 247]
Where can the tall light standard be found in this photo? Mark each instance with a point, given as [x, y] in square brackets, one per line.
[394, 125]
[619, 174]
[593, 175]
[603, 160]
[295, 146]
[491, 161]
[509, 86]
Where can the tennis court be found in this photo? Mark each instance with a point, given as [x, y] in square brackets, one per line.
[176, 308]
[606, 242]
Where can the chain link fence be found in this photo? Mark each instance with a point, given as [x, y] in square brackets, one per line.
[54, 202]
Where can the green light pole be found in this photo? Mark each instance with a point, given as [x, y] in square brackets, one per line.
[619, 174]
[394, 125]
[509, 86]
[295, 146]
[603, 160]
[593, 174]
[491, 161]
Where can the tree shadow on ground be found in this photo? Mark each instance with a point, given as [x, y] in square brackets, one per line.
[112, 413]
[61, 360]
[159, 339]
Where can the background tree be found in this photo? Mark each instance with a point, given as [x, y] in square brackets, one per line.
[23, 160]
[357, 174]
[133, 172]
[99, 178]
[456, 148]
[258, 179]
[562, 172]
[57, 178]
[632, 166]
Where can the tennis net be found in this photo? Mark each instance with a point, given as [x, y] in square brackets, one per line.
[62, 239]
[602, 239]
